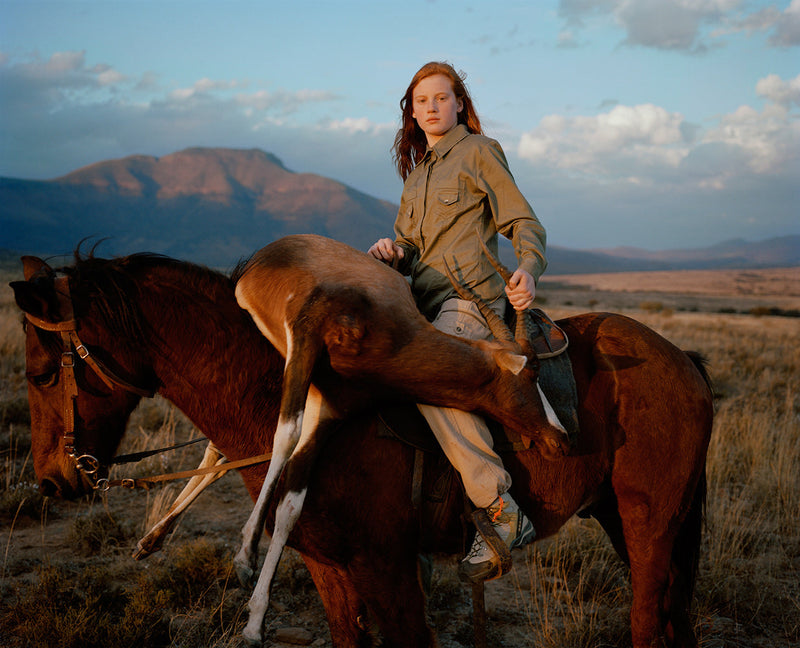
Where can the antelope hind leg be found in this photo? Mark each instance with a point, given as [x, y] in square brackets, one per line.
[286, 515]
[287, 444]
[287, 435]
[320, 422]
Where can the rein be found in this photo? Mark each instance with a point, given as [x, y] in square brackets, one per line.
[147, 482]
[86, 464]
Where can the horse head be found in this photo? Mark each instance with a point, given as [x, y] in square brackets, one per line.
[82, 373]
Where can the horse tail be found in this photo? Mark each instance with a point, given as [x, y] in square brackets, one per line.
[700, 363]
[686, 552]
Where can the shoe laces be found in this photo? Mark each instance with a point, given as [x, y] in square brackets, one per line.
[496, 513]
[479, 547]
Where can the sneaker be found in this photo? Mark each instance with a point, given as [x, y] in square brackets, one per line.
[513, 528]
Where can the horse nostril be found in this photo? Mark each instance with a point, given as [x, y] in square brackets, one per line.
[48, 488]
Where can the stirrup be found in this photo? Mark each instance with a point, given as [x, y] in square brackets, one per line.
[496, 566]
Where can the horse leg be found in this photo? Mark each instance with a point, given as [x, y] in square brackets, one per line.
[663, 548]
[683, 572]
[346, 612]
[649, 554]
[391, 586]
[606, 512]
[661, 579]
[297, 389]
[298, 469]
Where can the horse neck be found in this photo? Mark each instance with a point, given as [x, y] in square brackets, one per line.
[216, 367]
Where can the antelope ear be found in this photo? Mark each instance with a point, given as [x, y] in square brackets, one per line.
[513, 362]
[32, 266]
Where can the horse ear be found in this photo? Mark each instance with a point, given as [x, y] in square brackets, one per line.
[32, 266]
[36, 298]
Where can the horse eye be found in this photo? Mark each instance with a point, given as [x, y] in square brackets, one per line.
[47, 379]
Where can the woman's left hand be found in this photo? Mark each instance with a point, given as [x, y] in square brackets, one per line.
[521, 289]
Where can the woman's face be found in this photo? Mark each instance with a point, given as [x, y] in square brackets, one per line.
[435, 106]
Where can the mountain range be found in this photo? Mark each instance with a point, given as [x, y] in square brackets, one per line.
[215, 206]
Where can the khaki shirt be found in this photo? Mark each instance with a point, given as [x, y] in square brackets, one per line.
[462, 184]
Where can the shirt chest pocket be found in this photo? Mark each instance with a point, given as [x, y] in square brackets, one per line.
[447, 197]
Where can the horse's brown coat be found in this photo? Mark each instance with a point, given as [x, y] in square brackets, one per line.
[645, 413]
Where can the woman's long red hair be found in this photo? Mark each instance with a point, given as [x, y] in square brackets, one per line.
[410, 142]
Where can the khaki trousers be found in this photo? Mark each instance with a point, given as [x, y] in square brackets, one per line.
[463, 436]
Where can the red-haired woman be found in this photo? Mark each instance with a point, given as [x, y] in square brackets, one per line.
[458, 187]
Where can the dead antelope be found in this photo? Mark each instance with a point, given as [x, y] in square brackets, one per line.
[352, 337]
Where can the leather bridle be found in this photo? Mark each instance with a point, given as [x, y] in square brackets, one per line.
[88, 465]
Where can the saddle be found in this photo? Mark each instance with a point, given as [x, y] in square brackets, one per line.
[546, 337]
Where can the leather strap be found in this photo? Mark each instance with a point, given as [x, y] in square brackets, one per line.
[148, 482]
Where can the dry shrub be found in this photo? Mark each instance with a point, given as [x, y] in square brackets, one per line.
[72, 606]
[97, 532]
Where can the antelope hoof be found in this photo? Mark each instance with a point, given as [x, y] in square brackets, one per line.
[244, 574]
[147, 546]
[252, 639]
[245, 570]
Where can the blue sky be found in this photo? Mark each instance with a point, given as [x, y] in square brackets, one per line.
[626, 122]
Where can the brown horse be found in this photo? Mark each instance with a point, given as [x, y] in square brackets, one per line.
[150, 323]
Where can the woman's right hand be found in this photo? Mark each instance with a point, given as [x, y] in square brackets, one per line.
[386, 250]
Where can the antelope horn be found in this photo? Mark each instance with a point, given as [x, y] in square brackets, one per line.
[496, 324]
[504, 272]
[521, 331]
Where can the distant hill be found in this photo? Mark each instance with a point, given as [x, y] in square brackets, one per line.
[208, 205]
[783, 251]
[215, 206]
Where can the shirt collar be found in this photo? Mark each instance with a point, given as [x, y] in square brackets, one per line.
[451, 138]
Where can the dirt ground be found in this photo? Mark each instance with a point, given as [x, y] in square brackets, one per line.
[217, 518]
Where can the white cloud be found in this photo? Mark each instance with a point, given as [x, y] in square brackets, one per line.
[787, 26]
[60, 62]
[357, 125]
[784, 93]
[108, 76]
[784, 25]
[686, 25]
[769, 140]
[627, 142]
[648, 145]
[281, 101]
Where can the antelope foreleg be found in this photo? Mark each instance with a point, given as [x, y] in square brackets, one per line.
[154, 539]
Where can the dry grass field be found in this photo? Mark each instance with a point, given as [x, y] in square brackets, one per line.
[726, 291]
[67, 579]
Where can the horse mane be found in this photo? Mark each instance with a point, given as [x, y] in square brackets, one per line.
[113, 286]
